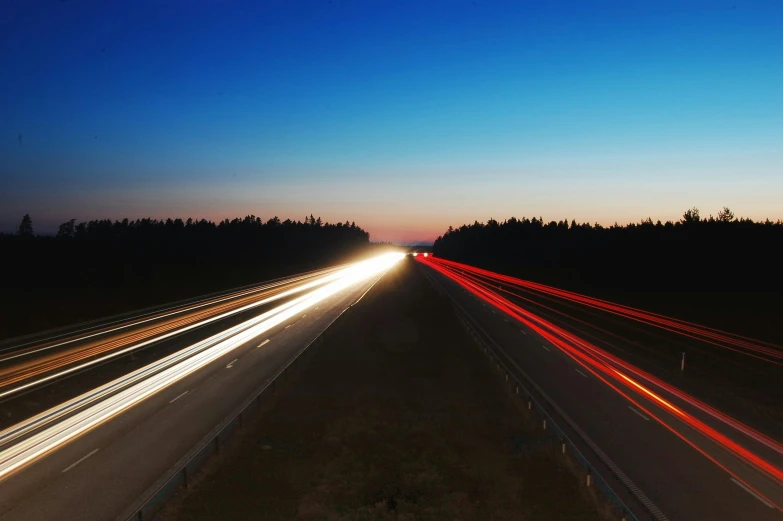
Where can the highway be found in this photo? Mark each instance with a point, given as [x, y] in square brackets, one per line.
[41, 360]
[94, 416]
[674, 456]
[96, 451]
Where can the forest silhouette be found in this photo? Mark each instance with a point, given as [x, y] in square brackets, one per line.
[725, 271]
[101, 267]
[721, 270]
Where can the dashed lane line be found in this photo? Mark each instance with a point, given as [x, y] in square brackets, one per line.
[749, 491]
[639, 413]
[72, 465]
[178, 397]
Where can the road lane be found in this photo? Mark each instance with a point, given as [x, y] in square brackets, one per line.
[679, 480]
[22, 369]
[139, 445]
[113, 323]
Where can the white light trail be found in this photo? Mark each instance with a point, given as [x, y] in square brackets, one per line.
[157, 316]
[67, 421]
[119, 352]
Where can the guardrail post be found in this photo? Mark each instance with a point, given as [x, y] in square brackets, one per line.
[544, 423]
[589, 479]
[563, 445]
[530, 405]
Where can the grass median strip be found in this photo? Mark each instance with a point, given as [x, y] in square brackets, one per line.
[397, 417]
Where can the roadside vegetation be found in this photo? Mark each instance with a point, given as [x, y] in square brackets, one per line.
[103, 267]
[722, 271]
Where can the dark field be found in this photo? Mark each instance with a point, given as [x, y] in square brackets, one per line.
[397, 417]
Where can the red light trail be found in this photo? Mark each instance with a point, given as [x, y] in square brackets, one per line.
[741, 344]
[644, 390]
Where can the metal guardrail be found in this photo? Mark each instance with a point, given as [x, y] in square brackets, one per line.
[178, 476]
[522, 386]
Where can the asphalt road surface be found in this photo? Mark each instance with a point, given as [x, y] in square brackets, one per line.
[674, 479]
[97, 475]
[102, 471]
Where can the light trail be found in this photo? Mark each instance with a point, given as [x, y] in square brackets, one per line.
[47, 431]
[82, 357]
[602, 354]
[657, 382]
[748, 346]
[110, 327]
[621, 376]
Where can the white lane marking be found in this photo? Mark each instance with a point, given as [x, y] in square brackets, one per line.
[232, 363]
[368, 289]
[316, 307]
[580, 372]
[522, 332]
[639, 413]
[178, 397]
[545, 347]
[493, 312]
[505, 320]
[749, 491]
[483, 304]
[72, 465]
[289, 325]
[262, 344]
[304, 316]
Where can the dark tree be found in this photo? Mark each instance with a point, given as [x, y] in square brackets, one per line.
[26, 226]
[67, 229]
[691, 216]
[725, 215]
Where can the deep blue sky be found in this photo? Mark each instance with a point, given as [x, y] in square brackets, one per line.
[406, 117]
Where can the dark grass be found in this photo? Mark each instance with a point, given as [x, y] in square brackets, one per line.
[398, 416]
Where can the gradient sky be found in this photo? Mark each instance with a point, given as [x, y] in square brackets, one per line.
[406, 117]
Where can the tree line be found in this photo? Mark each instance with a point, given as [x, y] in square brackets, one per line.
[644, 263]
[147, 229]
[98, 267]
